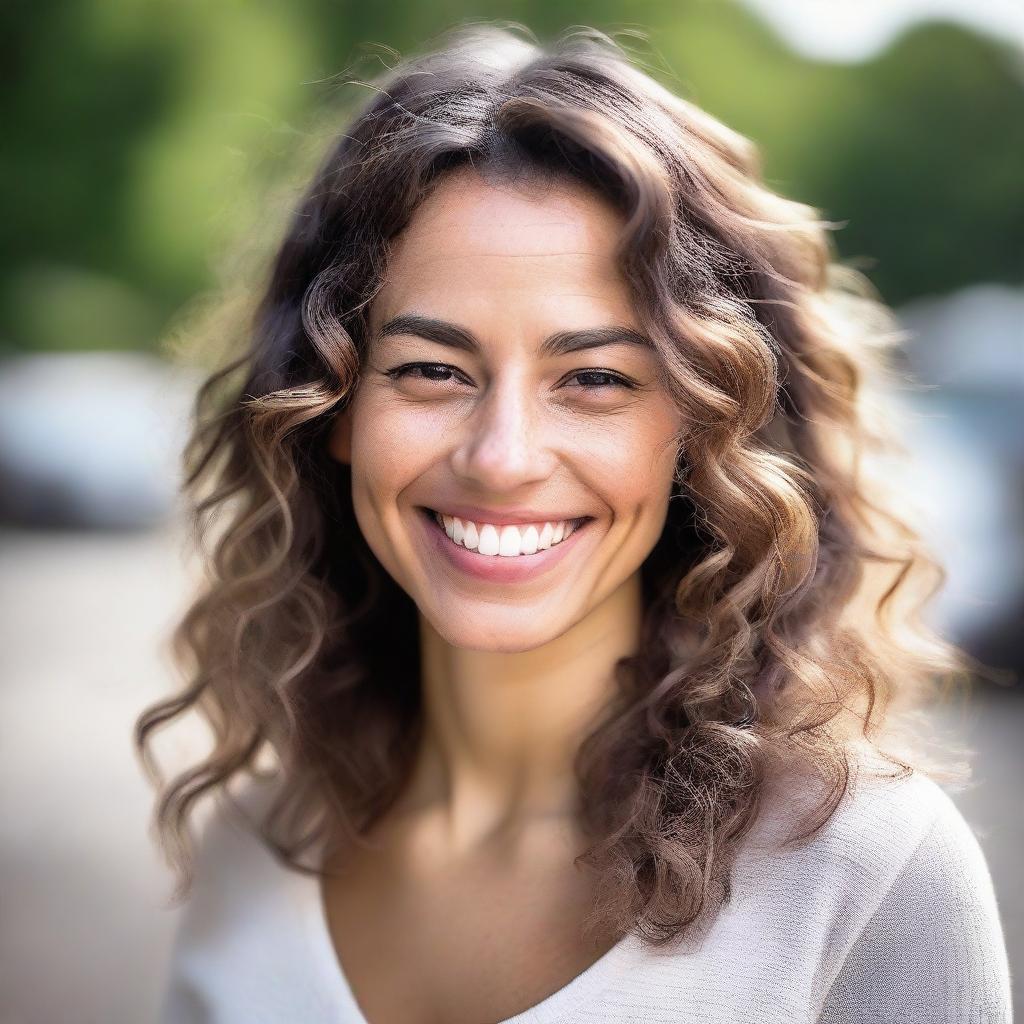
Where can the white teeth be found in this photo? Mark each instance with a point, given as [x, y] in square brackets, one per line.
[510, 541]
[490, 543]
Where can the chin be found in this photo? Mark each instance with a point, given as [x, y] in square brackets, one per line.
[496, 634]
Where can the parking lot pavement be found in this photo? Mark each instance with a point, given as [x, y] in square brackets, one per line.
[85, 930]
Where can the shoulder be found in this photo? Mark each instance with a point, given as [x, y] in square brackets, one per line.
[233, 905]
[246, 917]
[229, 834]
[893, 886]
[885, 820]
[929, 944]
[235, 874]
[878, 825]
[907, 835]
[834, 878]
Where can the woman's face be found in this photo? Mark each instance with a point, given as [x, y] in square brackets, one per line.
[503, 419]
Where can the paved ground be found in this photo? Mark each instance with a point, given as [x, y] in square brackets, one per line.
[83, 930]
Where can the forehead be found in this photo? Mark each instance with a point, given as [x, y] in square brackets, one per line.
[474, 247]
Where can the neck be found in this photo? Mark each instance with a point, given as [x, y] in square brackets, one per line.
[501, 730]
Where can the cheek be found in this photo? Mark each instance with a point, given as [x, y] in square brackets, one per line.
[639, 477]
[637, 461]
[391, 447]
[381, 432]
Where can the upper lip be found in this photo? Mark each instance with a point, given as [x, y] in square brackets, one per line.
[504, 517]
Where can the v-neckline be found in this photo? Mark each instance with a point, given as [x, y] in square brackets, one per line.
[550, 1010]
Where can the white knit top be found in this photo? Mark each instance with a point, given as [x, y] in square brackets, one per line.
[887, 915]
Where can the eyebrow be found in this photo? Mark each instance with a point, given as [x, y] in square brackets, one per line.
[558, 344]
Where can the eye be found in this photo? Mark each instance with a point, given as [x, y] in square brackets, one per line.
[442, 373]
[616, 380]
[441, 368]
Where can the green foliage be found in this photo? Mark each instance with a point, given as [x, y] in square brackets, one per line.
[143, 139]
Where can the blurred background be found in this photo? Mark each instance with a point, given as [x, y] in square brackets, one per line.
[144, 141]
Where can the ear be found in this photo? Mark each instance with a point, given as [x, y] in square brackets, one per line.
[339, 438]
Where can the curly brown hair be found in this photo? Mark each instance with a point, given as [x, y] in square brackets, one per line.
[781, 619]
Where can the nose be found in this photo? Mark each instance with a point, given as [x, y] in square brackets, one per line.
[503, 446]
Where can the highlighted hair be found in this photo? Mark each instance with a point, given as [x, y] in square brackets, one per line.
[782, 603]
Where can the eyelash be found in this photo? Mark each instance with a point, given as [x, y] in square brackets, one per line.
[404, 370]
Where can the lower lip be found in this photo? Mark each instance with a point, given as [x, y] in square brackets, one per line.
[498, 568]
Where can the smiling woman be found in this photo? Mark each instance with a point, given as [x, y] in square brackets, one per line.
[522, 286]
[555, 634]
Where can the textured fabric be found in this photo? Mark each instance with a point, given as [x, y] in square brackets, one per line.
[886, 915]
[932, 944]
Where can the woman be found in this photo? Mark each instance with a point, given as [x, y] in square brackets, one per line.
[555, 638]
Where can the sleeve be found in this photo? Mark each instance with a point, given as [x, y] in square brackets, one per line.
[217, 918]
[933, 952]
[185, 996]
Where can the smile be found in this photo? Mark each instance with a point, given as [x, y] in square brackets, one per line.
[510, 541]
[503, 556]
